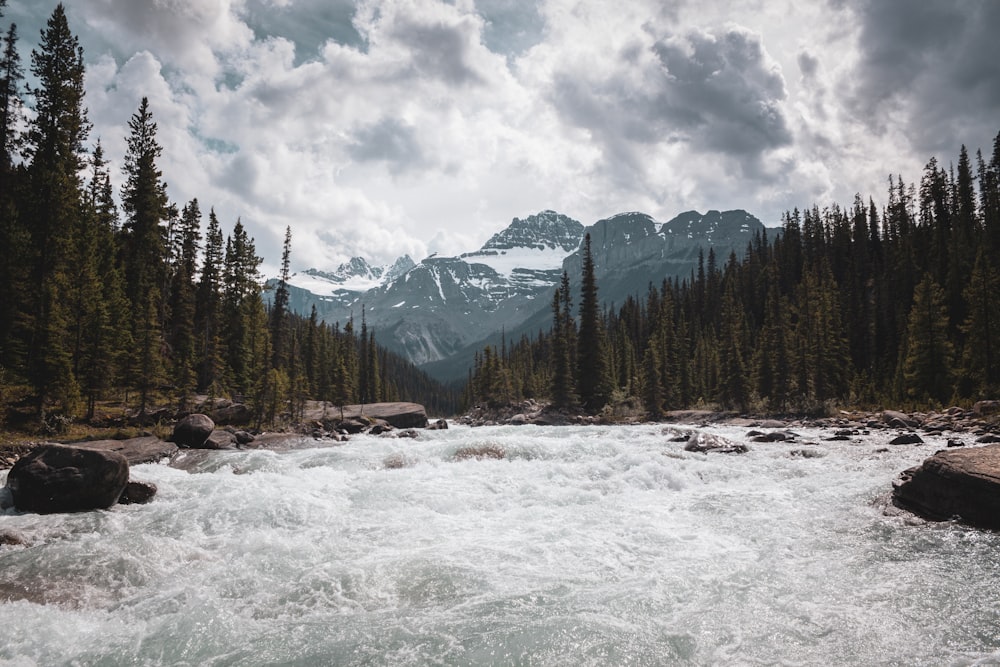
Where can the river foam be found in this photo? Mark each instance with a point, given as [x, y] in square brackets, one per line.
[581, 546]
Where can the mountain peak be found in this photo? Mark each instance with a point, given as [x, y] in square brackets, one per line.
[546, 229]
[725, 223]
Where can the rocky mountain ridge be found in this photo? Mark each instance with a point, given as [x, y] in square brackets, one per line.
[439, 311]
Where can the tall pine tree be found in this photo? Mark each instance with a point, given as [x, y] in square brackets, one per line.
[144, 199]
[55, 147]
[592, 380]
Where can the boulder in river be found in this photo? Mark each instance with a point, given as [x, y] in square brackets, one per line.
[193, 431]
[963, 483]
[907, 439]
[897, 419]
[709, 442]
[57, 478]
[137, 493]
[398, 414]
[219, 439]
[148, 449]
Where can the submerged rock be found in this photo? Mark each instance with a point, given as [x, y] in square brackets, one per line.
[907, 439]
[479, 452]
[963, 483]
[57, 478]
[12, 538]
[708, 442]
[219, 439]
[137, 493]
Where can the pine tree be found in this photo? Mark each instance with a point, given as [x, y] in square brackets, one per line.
[144, 200]
[733, 378]
[279, 308]
[981, 358]
[562, 375]
[244, 343]
[927, 369]
[183, 299]
[97, 294]
[208, 305]
[652, 382]
[54, 145]
[772, 368]
[11, 75]
[592, 381]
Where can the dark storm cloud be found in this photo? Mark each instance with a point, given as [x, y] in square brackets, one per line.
[724, 93]
[808, 64]
[935, 61]
[714, 92]
[390, 141]
[439, 50]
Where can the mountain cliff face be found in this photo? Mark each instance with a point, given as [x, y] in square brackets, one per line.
[438, 312]
[631, 250]
[444, 304]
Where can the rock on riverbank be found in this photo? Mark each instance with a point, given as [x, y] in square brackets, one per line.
[397, 415]
[962, 483]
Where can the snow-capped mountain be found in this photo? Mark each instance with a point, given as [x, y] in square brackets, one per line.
[445, 303]
[439, 311]
[630, 252]
[336, 293]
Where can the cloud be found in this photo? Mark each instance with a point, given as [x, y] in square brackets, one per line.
[388, 140]
[381, 128]
[187, 33]
[659, 99]
[932, 67]
[808, 64]
[725, 91]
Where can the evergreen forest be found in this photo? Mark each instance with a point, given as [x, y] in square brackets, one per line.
[131, 306]
[119, 298]
[850, 306]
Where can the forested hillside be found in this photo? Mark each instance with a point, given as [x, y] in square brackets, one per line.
[858, 305]
[133, 305]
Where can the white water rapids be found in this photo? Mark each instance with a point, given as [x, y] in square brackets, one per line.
[584, 546]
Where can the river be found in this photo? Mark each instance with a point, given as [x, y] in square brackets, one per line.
[582, 546]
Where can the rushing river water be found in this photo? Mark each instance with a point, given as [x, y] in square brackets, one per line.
[583, 546]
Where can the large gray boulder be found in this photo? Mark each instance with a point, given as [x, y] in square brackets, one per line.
[398, 414]
[193, 431]
[58, 478]
[148, 449]
[962, 483]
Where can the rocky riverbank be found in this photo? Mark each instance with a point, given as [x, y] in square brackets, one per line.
[967, 425]
[68, 477]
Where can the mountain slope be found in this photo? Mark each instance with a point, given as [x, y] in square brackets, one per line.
[445, 303]
[630, 251]
[439, 312]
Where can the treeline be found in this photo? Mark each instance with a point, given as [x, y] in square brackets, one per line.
[857, 306]
[134, 304]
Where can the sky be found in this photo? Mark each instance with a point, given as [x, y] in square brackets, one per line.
[419, 126]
